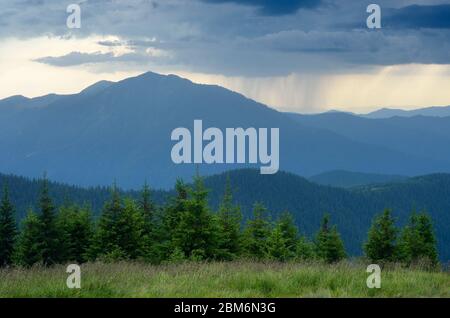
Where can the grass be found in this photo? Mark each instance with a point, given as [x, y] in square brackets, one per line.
[232, 279]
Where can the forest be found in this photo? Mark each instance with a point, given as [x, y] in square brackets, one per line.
[186, 227]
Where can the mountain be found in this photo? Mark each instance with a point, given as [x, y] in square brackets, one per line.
[351, 209]
[20, 102]
[96, 87]
[13, 101]
[435, 111]
[419, 136]
[348, 179]
[121, 131]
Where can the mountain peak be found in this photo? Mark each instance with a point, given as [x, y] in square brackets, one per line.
[157, 76]
[96, 87]
[14, 100]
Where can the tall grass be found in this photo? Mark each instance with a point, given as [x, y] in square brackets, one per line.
[231, 279]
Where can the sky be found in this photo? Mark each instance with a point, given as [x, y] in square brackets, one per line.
[305, 56]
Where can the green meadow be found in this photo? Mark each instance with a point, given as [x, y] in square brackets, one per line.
[223, 279]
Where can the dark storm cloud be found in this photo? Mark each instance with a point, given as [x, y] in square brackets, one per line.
[247, 38]
[417, 16]
[274, 7]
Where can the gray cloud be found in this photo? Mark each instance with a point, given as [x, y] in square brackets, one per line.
[274, 7]
[235, 39]
[419, 16]
[79, 58]
[76, 58]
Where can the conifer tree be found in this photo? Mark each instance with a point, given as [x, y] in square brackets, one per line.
[229, 225]
[305, 249]
[147, 206]
[28, 249]
[290, 232]
[176, 207]
[257, 232]
[171, 217]
[130, 231]
[382, 239]
[8, 229]
[120, 231]
[152, 231]
[49, 236]
[283, 241]
[76, 230]
[106, 239]
[195, 233]
[329, 245]
[417, 240]
[277, 245]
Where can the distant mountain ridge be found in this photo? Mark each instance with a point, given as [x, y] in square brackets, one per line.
[121, 131]
[419, 136]
[435, 111]
[19, 101]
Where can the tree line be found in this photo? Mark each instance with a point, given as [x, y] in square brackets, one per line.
[186, 228]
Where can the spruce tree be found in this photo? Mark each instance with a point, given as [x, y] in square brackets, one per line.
[417, 240]
[106, 242]
[428, 240]
[29, 246]
[152, 231]
[176, 207]
[76, 232]
[50, 242]
[329, 245]
[277, 245]
[171, 217]
[8, 229]
[130, 231]
[195, 233]
[305, 249]
[229, 225]
[257, 233]
[120, 231]
[283, 241]
[290, 232]
[382, 239]
[147, 206]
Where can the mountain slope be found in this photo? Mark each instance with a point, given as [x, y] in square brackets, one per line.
[348, 179]
[122, 132]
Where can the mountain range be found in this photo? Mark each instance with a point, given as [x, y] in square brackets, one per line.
[418, 136]
[121, 132]
[434, 111]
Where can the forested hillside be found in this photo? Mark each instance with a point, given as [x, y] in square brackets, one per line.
[349, 179]
[24, 194]
[352, 210]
